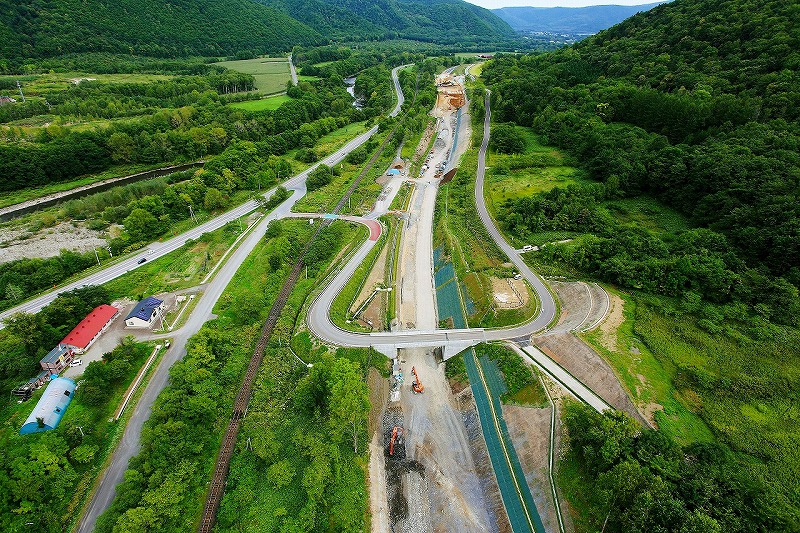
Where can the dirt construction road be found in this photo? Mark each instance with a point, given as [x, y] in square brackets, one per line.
[435, 433]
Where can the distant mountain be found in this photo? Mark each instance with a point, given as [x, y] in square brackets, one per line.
[175, 28]
[580, 20]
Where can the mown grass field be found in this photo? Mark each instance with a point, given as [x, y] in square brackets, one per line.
[265, 104]
[271, 74]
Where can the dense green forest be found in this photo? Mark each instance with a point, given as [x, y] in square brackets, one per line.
[149, 27]
[240, 28]
[694, 106]
[649, 109]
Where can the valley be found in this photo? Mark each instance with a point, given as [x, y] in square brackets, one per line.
[328, 266]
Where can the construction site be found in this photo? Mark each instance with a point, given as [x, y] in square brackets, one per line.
[429, 468]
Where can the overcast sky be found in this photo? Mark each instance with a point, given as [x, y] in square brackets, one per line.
[492, 4]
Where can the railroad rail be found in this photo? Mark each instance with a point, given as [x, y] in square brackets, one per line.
[217, 487]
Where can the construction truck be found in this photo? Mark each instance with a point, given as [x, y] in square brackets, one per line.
[416, 386]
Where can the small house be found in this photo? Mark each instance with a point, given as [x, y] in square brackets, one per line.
[57, 359]
[145, 314]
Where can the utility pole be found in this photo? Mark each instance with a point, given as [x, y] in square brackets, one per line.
[80, 428]
[96, 256]
[20, 91]
[191, 214]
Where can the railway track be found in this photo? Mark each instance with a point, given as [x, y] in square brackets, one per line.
[218, 481]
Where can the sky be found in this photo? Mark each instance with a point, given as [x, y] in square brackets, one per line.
[492, 4]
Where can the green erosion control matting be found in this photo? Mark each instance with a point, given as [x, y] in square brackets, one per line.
[487, 386]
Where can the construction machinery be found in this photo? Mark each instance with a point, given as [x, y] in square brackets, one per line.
[397, 438]
[417, 385]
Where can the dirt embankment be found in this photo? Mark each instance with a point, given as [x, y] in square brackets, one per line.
[579, 307]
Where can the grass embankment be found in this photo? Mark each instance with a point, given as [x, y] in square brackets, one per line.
[271, 74]
[523, 387]
[346, 303]
[23, 195]
[475, 257]
[183, 268]
[57, 469]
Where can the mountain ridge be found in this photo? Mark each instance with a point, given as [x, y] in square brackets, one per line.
[180, 28]
[576, 20]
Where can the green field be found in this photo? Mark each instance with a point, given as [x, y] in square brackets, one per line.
[539, 169]
[34, 84]
[265, 104]
[185, 267]
[271, 74]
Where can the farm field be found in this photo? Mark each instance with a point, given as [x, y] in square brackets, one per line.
[271, 74]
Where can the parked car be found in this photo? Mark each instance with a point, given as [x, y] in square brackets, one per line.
[142, 260]
[76, 362]
[517, 276]
[527, 248]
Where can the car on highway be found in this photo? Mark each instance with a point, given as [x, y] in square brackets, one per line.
[142, 260]
[76, 362]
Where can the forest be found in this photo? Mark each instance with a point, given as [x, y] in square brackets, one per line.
[721, 148]
[689, 109]
[231, 28]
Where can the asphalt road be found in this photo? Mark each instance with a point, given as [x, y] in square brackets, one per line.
[129, 444]
[319, 321]
[292, 70]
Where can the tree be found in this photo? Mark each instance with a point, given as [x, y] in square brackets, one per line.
[319, 177]
[213, 199]
[349, 398]
[280, 474]
[122, 147]
[506, 139]
[141, 225]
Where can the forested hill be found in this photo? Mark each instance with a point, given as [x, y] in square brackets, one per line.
[581, 20]
[47, 28]
[439, 21]
[696, 102]
[146, 27]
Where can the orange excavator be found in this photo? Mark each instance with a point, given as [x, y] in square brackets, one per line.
[416, 385]
[397, 435]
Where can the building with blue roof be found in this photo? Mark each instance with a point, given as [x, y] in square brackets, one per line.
[51, 407]
[145, 313]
